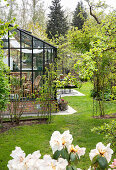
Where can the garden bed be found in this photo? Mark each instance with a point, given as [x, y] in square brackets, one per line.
[113, 116]
[6, 125]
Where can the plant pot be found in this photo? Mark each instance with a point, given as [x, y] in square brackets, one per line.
[63, 106]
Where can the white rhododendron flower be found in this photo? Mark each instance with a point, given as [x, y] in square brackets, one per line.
[32, 162]
[18, 153]
[78, 169]
[59, 141]
[50, 164]
[102, 150]
[31, 159]
[20, 162]
[62, 163]
[56, 142]
[77, 149]
[66, 138]
[14, 165]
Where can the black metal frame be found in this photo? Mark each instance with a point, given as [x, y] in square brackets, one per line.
[50, 47]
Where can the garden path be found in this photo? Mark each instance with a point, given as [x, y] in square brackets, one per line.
[69, 92]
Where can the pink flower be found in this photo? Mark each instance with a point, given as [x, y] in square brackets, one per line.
[113, 164]
[62, 100]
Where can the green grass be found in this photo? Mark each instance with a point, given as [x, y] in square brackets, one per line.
[36, 137]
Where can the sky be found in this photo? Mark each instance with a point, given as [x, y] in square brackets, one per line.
[71, 4]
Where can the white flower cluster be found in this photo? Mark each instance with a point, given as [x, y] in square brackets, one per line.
[33, 161]
[59, 141]
[104, 151]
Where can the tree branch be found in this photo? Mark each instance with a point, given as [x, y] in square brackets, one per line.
[93, 15]
[110, 48]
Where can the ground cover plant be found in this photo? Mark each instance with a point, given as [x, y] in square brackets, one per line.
[36, 137]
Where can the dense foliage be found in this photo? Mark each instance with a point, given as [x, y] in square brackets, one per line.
[109, 131]
[97, 44]
[4, 70]
[4, 86]
[57, 23]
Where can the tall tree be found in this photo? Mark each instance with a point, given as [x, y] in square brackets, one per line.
[37, 12]
[12, 9]
[24, 14]
[57, 23]
[9, 11]
[79, 16]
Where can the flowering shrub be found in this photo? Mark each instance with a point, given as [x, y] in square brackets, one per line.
[65, 156]
[113, 165]
[62, 100]
[63, 105]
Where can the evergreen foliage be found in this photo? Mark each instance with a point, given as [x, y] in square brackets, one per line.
[57, 23]
[79, 16]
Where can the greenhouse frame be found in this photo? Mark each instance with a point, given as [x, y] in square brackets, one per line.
[27, 56]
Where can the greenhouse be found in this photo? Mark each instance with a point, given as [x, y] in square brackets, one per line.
[27, 57]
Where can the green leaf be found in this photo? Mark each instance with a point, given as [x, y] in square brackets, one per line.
[77, 157]
[69, 168]
[74, 167]
[102, 162]
[72, 157]
[56, 154]
[64, 154]
[95, 160]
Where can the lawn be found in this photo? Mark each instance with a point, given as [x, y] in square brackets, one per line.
[36, 137]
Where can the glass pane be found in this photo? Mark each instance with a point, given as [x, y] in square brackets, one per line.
[27, 83]
[48, 46]
[27, 75]
[5, 43]
[36, 81]
[38, 60]
[5, 59]
[15, 59]
[48, 56]
[37, 43]
[26, 59]
[52, 55]
[15, 39]
[26, 40]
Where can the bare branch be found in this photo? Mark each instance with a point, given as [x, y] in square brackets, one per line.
[93, 15]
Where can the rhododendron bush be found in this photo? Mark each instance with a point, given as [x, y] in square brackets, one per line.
[65, 156]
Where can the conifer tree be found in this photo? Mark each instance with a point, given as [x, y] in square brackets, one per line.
[57, 23]
[79, 16]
